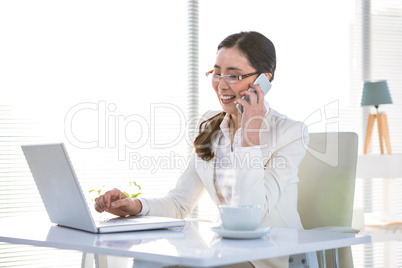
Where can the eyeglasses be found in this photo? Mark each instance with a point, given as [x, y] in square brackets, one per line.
[229, 78]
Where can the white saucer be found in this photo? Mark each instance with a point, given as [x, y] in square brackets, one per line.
[257, 233]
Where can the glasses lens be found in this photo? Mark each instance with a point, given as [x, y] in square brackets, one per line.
[231, 79]
[214, 77]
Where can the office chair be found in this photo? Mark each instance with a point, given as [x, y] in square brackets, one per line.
[326, 191]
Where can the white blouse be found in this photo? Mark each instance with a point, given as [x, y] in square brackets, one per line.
[225, 173]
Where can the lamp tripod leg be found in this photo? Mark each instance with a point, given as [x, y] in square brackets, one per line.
[380, 124]
[369, 132]
[386, 134]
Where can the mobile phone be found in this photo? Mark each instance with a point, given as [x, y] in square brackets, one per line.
[265, 85]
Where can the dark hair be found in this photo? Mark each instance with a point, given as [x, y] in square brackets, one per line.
[208, 131]
[258, 49]
[260, 52]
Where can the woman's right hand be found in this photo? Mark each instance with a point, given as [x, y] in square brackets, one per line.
[117, 203]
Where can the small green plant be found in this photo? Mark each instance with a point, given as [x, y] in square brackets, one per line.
[129, 193]
[133, 195]
[98, 191]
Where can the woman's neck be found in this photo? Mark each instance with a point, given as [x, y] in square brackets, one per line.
[234, 122]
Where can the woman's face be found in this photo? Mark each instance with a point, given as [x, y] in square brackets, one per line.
[229, 61]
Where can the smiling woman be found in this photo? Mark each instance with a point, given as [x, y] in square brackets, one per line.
[119, 58]
[231, 160]
[241, 58]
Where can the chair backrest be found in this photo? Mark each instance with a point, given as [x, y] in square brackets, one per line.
[327, 180]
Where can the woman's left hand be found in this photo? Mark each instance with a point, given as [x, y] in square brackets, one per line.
[253, 115]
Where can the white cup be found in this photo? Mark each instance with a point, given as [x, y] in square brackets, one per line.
[240, 218]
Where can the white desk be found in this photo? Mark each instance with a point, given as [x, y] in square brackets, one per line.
[193, 245]
[388, 167]
[379, 166]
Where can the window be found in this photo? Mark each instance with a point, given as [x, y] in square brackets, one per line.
[377, 38]
[107, 79]
[104, 84]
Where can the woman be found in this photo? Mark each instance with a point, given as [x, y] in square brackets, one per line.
[249, 158]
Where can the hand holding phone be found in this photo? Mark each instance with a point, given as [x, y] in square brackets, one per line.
[265, 86]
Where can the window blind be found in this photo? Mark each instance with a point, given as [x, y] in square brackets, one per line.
[17, 189]
[376, 55]
[383, 33]
[106, 79]
[101, 122]
[386, 63]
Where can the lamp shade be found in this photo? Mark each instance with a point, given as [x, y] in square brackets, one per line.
[375, 93]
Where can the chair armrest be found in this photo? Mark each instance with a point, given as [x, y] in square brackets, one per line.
[338, 229]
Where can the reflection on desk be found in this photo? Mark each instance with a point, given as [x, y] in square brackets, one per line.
[195, 244]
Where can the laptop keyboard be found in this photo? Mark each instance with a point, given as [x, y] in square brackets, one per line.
[114, 221]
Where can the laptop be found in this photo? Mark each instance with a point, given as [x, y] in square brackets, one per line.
[64, 200]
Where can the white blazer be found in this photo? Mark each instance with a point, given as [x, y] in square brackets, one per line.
[271, 184]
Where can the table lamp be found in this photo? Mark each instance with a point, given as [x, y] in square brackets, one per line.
[376, 93]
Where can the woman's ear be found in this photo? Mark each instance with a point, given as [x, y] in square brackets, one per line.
[269, 76]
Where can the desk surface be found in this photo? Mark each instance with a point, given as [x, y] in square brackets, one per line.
[379, 166]
[192, 245]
